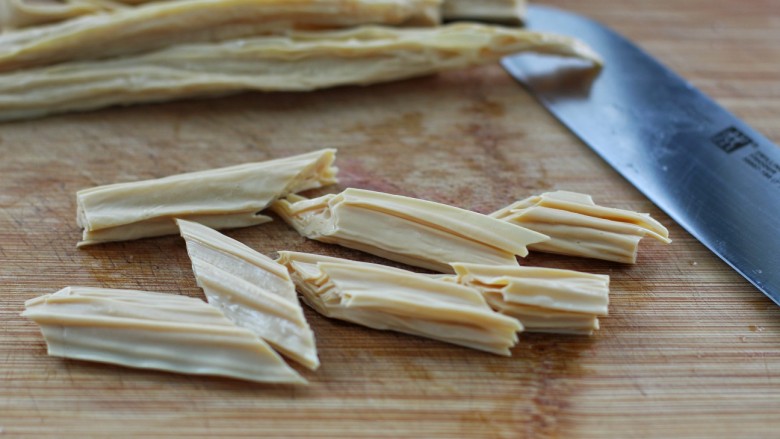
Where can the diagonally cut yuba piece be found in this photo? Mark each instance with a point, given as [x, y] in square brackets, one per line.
[497, 11]
[543, 299]
[298, 61]
[577, 226]
[153, 331]
[408, 230]
[386, 298]
[161, 24]
[254, 291]
[219, 198]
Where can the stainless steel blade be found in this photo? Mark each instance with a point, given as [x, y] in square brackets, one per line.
[712, 173]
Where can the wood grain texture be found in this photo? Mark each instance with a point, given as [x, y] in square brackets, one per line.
[690, 349]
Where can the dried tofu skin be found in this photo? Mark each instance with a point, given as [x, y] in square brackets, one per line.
[299, 61]
[153, 331]
[408, 230]
[161, 24]
[496, 11]
[253, 291]
[388, 298]
[577, 226]
[16, 14]
[543, 320]
[543, 299]
[219, 198]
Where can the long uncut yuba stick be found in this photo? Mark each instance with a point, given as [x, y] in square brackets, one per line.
[16, 14]
[498, 11]
[162, 24]
[299, 61]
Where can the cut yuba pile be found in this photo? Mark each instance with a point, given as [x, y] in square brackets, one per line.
[153, 331]
[297, 61]
[408, 230]
[220, 198]
[252, 290]
[388, 298]
[577, 226]
[498, 11]
[543, 299]
[163, 23]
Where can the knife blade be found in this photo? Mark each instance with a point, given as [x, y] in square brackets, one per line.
[709, 171]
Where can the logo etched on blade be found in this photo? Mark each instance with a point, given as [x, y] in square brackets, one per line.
[732, 139]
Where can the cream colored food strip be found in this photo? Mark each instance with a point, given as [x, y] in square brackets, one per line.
[23, 13]
[543, 299]
[577, 226]
[408, 230]
[153, 331]
[536, 319]
[161, 24]
[220, 198]
[16, 14]
[388, 298]
[299, 61]
[498, 11]
[252, 290]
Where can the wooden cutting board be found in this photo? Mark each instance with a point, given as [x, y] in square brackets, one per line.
[690, 349]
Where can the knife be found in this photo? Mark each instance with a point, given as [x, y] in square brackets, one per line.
[709, 171]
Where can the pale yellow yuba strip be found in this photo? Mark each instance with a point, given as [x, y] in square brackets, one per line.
[388, 298]
[153, 331]
[408, 230]
[219, 198]
[543, 299]
[15, 14]
[544, 320]
[160, 24]
[252, 290]
[296, 61]
[577, 226]
[510, 12]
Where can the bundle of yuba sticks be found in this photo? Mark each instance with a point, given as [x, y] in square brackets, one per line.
[83, 55]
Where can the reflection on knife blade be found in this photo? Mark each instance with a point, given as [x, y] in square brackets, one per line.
[711, 172]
